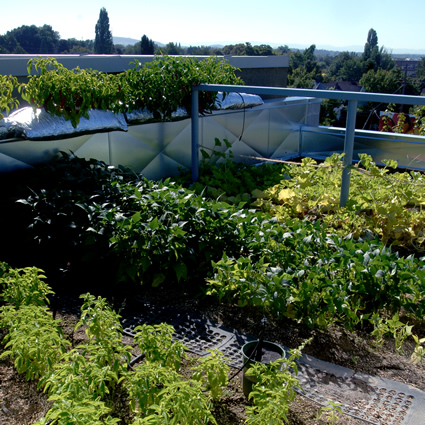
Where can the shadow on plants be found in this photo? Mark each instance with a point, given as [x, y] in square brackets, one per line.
[88, 224]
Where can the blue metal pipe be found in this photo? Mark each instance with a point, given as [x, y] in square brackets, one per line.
[348, 151]
[195, 135]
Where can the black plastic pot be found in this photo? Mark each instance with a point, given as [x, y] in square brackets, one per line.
[270, 352]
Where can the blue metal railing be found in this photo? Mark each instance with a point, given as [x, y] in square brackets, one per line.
[352, 97]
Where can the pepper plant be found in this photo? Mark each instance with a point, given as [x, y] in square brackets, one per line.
[299, 271]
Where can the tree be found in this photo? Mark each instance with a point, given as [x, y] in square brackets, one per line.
[103, 43]
[374, 57]
[147, 46]
[9, 44]
[342, 63]
[264, 50]
[283, 49]
[49, 39]
[303, 69]
[352, 70]
[30, 39]
[72, 45]
[234, 49]
[301, 79]
[172, 49]
[201, 50]
[371, 44]
[247, 49]
[382, 81]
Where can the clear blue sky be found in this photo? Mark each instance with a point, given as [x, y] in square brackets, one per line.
[343, 24]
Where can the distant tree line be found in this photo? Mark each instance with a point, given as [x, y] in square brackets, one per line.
[41, 40]
[374, 69]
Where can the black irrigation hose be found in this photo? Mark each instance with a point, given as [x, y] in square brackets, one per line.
[249, 359]
[135, 360]
[254, 351]
[244, 113]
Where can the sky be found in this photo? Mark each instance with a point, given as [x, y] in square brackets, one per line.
[341, 24]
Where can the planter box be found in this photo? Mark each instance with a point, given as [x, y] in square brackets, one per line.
[160, 150]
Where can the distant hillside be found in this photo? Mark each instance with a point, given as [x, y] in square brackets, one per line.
[125, 41]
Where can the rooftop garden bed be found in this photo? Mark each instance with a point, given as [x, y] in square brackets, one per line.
[270, 240]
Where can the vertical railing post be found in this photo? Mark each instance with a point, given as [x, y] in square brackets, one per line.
[195, 134]
[348, 151]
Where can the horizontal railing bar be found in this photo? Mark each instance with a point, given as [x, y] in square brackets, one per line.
[353, 99]
[321, 94]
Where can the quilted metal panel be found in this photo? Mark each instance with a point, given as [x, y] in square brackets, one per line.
[159, 150]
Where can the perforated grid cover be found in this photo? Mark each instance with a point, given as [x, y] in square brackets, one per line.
[197, 333]
[374, 400]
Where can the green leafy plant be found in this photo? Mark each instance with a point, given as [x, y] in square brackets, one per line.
[299, 271]
[145, 384]
[274, 390]
[399, 330]
[156, 342]
[69, 93]
[180, 402]
[71, 210]
[101, 320]
[332, 411]
[419, 351]
[165, 84]
[235, 182]
[104, 330]
[419, 112]
[217, 154]
[7, 100]
[160, 86]
[66, 411]
[69, 376]
[212, 371]
[34, 341]
[173, 231]
[24, 287]
[110, 221]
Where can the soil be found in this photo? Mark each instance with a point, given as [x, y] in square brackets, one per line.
[22, 404]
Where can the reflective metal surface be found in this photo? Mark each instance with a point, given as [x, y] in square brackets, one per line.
[159, 150]
[408, 150]
[277, 129]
